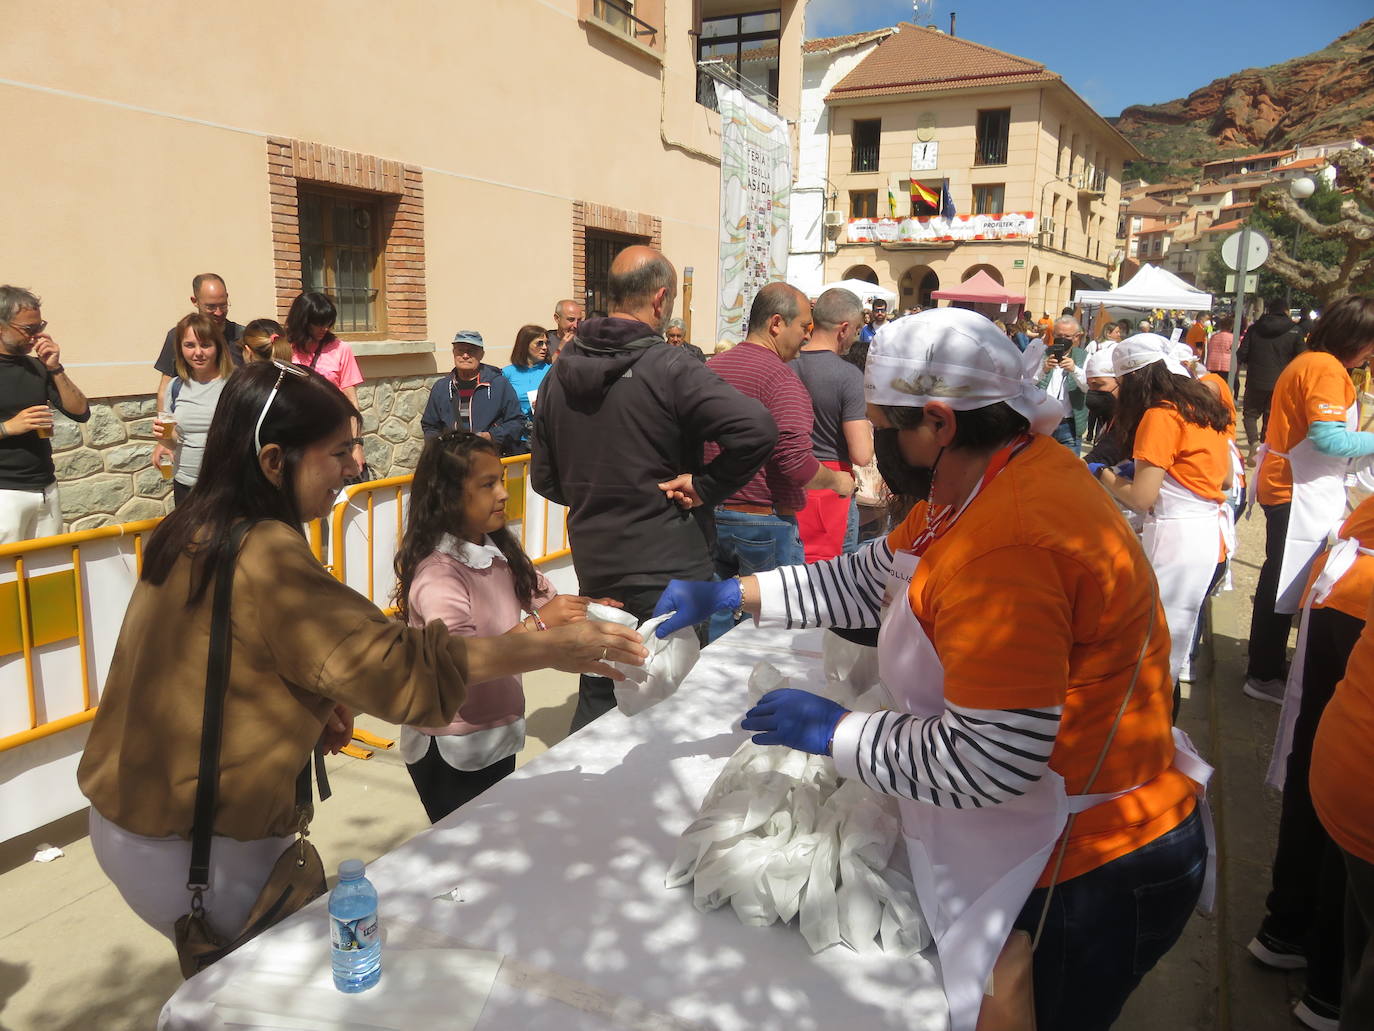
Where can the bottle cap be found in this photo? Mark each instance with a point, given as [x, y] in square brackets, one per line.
[351, 869]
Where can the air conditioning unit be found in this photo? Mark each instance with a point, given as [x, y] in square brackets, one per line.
[834, 218]
[1047, 225]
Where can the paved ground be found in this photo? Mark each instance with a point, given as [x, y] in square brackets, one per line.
[72, 956]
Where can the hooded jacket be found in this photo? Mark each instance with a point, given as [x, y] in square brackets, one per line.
[495, 409]
[621, 412]
[1266, 349]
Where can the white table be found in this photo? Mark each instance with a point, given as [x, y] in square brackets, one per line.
[560, 869]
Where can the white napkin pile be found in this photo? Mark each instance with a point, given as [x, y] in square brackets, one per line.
[780, 835]
[668, 663]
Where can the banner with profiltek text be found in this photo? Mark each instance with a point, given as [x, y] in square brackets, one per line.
[755, 188]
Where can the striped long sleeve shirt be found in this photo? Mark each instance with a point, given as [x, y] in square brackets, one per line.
[962, 757]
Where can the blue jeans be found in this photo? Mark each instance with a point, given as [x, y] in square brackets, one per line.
[851, 532]
[747, 543]
[1108, 927]
[1067, 434]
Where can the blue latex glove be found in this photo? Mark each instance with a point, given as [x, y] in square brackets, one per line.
[797, 719]
[1126, 469]
[695, 601]
[1096, 467]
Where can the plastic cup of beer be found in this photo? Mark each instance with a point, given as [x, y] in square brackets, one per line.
[44, 432]
[164, 426]
[164, 466]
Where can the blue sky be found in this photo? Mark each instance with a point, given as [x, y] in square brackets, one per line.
[1114, 53]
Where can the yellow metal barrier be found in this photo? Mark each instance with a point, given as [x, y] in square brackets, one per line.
[51, 607]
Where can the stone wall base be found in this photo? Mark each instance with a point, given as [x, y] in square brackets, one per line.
[105, 473]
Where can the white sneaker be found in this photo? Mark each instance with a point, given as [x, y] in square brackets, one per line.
[1317, 1015]
[1265, 690]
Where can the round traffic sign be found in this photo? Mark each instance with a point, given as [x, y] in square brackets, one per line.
[1256, 251]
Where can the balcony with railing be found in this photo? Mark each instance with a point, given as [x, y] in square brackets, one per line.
[620, 15]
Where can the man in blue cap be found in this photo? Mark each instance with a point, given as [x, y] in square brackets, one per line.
[474, 396]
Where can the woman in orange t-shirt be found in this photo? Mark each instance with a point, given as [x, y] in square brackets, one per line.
[1176, 428]
[1311, 426]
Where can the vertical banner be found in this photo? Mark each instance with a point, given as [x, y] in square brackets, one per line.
[755, 188]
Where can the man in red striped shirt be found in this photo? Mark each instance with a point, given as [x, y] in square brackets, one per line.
[756, 527]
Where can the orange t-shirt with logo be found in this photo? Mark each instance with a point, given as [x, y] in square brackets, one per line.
[1352, 591]
[1040, 595]
[1198, 457]
[1223, 390]
[1342, 777]
[1315, 387]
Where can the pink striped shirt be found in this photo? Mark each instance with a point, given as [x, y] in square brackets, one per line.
[757, 372]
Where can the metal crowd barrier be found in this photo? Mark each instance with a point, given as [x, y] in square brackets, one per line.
[62, 602]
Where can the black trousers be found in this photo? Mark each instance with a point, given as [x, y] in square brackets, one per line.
[443, 789]
[596, 695]
[1357, 1007]
[1307, 898]
[1269, 629]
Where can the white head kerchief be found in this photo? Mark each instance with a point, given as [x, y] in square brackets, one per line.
[960, 358]
[1187, 357]
[1099, 364]
[1144, 349]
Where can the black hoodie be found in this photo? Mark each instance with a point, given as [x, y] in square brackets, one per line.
[621, 412]
[1267, 348]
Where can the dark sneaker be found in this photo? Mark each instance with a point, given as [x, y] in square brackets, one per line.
[1314, 1013]
[1277, 953]
[1265, 690]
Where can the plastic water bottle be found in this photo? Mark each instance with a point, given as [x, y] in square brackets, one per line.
[354, 931]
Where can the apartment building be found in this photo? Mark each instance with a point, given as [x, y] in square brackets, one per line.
[435, 167]
[1033, 173]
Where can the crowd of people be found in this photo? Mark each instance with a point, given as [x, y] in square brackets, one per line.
[1044, 516]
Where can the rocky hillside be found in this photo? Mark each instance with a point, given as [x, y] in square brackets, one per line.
[1328, 95]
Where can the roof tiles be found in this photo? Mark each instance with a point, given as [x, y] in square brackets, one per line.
[828, 43]
[920, 60]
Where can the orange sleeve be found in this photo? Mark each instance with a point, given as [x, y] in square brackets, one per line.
[1329, 393]
[1003, 627]
[1158, 437]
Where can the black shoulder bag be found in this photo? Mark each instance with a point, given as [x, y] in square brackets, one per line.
[297, 877]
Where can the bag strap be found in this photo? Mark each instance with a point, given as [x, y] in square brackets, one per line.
[1102, 757]
[212, 728]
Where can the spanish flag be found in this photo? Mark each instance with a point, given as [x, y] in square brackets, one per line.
[924, 200]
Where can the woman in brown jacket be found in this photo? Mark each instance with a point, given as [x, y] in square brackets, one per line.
[306, 651]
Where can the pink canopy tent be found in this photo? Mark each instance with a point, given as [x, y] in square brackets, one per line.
[980, 288]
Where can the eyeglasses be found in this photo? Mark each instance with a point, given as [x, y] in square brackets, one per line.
[29, 331]
[284, 369]
[216, 307]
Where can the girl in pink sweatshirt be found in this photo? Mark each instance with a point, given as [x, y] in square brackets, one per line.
[458, 563]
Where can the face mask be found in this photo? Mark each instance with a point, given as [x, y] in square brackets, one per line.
[908, 481]
[1101, 404]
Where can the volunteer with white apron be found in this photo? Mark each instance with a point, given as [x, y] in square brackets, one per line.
[1029, 658]
[1303, 922]
[1176, 431]
[1300, 481]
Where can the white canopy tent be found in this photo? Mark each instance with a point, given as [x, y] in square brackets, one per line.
[866, 291]
[1152, 287]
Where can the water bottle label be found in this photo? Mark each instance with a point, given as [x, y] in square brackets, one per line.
[354, 935]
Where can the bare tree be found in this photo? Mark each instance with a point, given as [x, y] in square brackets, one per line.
[1354, 273]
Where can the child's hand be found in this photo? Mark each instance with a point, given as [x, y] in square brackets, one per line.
[564, 609]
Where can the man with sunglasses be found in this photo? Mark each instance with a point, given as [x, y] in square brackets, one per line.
[32, 384]
[209, 296]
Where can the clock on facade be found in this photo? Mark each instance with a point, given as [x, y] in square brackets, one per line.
[925, 156]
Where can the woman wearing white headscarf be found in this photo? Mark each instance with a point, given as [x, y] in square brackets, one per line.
[1039, 783]
[1175, 429]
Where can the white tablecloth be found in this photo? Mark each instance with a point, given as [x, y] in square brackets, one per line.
[559, 869]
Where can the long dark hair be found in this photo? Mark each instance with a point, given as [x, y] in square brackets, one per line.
[436, 501]
[231, 486]
[311, 308]
[1153, 385]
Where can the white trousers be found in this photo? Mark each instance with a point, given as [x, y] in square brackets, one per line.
[151, 875]
[26, 514]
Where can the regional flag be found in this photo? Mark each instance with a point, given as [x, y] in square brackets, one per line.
[924, 200]
[946, 202]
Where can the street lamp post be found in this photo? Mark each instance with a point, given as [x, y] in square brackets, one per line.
[1299, 189]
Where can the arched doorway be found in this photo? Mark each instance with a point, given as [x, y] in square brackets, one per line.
[991, 270]
[930, 282]
[861, 272]
[911, 288]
